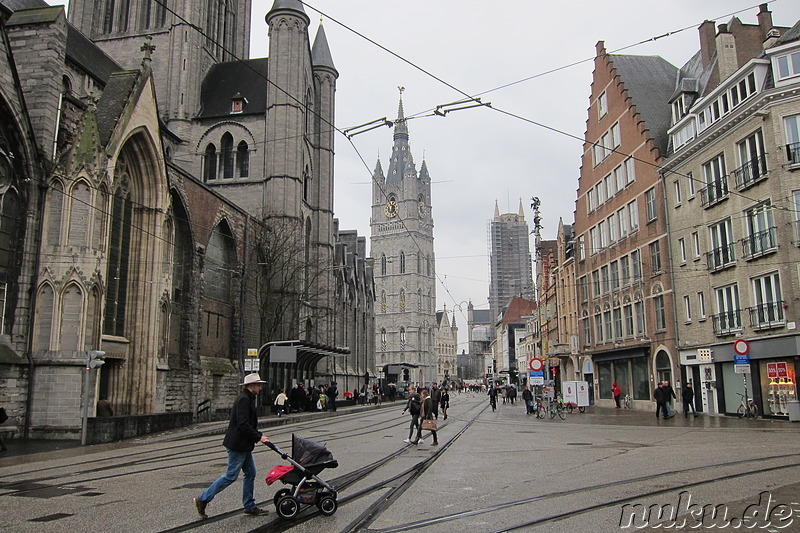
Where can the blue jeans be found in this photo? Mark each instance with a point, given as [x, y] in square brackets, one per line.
[528, 407]
[236, 461]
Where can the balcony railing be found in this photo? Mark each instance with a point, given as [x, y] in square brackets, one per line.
[751, 172]
[759, 243]
[714, 192]
[793, 153]
[768, 315]
[727, 323]
[720, 258]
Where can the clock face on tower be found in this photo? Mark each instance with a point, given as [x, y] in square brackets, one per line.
[391, 209]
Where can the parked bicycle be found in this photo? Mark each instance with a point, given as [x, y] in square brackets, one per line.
[539, 408]
[628, 402]
[557, 408]
[747, 407]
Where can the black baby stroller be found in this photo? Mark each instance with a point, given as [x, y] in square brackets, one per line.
[308, 459]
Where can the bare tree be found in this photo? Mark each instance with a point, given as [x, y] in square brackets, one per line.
[291, 286]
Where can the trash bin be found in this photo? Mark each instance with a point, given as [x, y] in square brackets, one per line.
[794, 411]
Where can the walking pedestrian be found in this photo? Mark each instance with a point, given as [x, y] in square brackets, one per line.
[436, 398]
[413, 406]
[280, 403]
[3, 418]
[660, 396]
[426, 413]
[669, 395]
[616, 391]
[445, 403]
[687, 395]
[240, 439]
[527, 397]
[493, 397]
[332, 393]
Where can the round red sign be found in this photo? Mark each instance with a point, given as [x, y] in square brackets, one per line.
[741, 347]
[536, 364]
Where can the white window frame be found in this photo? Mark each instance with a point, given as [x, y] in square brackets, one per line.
[655, 257]
[650, 203]
[633, 215]
[687, 308]
[788, 65]
[696, 244]
[690, 185]
[682, 249]
[701, 305]
[602, 105]
[678, 199]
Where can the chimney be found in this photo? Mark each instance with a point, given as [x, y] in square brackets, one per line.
[600, 48]
[726, 53]
[764, 20]
[707, 43]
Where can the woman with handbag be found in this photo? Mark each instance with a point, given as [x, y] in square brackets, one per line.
[426, 415]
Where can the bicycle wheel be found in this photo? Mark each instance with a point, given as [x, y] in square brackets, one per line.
[552, 411]
[569, 409]
[582, 409]
[753, 411]
[560, 412]
[741, 411]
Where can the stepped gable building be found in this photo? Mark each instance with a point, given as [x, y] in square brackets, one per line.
[405, 268]
[446, 343]
[511, 269]
[144, 175]
[733, 198]
[624, 284]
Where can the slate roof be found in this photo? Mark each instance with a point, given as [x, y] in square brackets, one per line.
[88, 56]
[113, 101]
[650, 81]
[793, 34]
[225, 80]
[16, 5]
[321, 52]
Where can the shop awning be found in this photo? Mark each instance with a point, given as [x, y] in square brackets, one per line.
[614, 355]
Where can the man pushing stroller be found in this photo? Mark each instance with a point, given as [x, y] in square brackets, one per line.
[240, 439]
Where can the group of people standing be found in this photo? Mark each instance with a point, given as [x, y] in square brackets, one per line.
[319, 398]
[423, 405]
[664, 394]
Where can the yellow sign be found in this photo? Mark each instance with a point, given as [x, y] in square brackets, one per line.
[252, 352]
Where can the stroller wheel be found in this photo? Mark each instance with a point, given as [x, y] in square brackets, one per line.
[287, 507]
[279, 495]
[327, 505]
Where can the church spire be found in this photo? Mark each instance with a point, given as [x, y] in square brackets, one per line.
[400, 126]
[496, 210]
[521, 211]
[401, 164]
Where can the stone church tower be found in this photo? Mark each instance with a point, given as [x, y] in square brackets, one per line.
[402, 249]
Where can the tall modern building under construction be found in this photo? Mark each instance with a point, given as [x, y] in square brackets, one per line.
[510, 259]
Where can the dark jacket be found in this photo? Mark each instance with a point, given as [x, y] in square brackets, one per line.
[669, 392]
[413, 404]
[445, 400]
[427, 409]
[527, 395]
[242, 433]
[688, 395]
[660, 395]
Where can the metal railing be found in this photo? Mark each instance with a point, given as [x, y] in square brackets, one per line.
[714, 192]
[751, 172]
[759, 243]
[793, 153]
[727, 323]
[768, 315]
[721, 257]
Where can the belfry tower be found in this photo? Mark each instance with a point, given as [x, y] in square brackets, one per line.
[402, 248]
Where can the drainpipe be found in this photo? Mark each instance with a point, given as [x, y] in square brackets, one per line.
[662, 173]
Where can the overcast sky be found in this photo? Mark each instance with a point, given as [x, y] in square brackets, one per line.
[479, 156]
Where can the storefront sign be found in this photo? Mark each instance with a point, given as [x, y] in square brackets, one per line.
[777, 370]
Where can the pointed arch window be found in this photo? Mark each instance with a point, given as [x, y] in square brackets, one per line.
[80, 201]
[108, 16]
[402, 338]
[11, 213]
[383, 301]
[306, 184]
[55, 208]
[118, 257]
[243, 160]
[44, 318]
[210, 163]
[226, 152]
[71, 312]
[383, 264]
[402, 262]
[428, 264]
[419, 300]
[402, 300]
[383, 339]
[220, 263]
